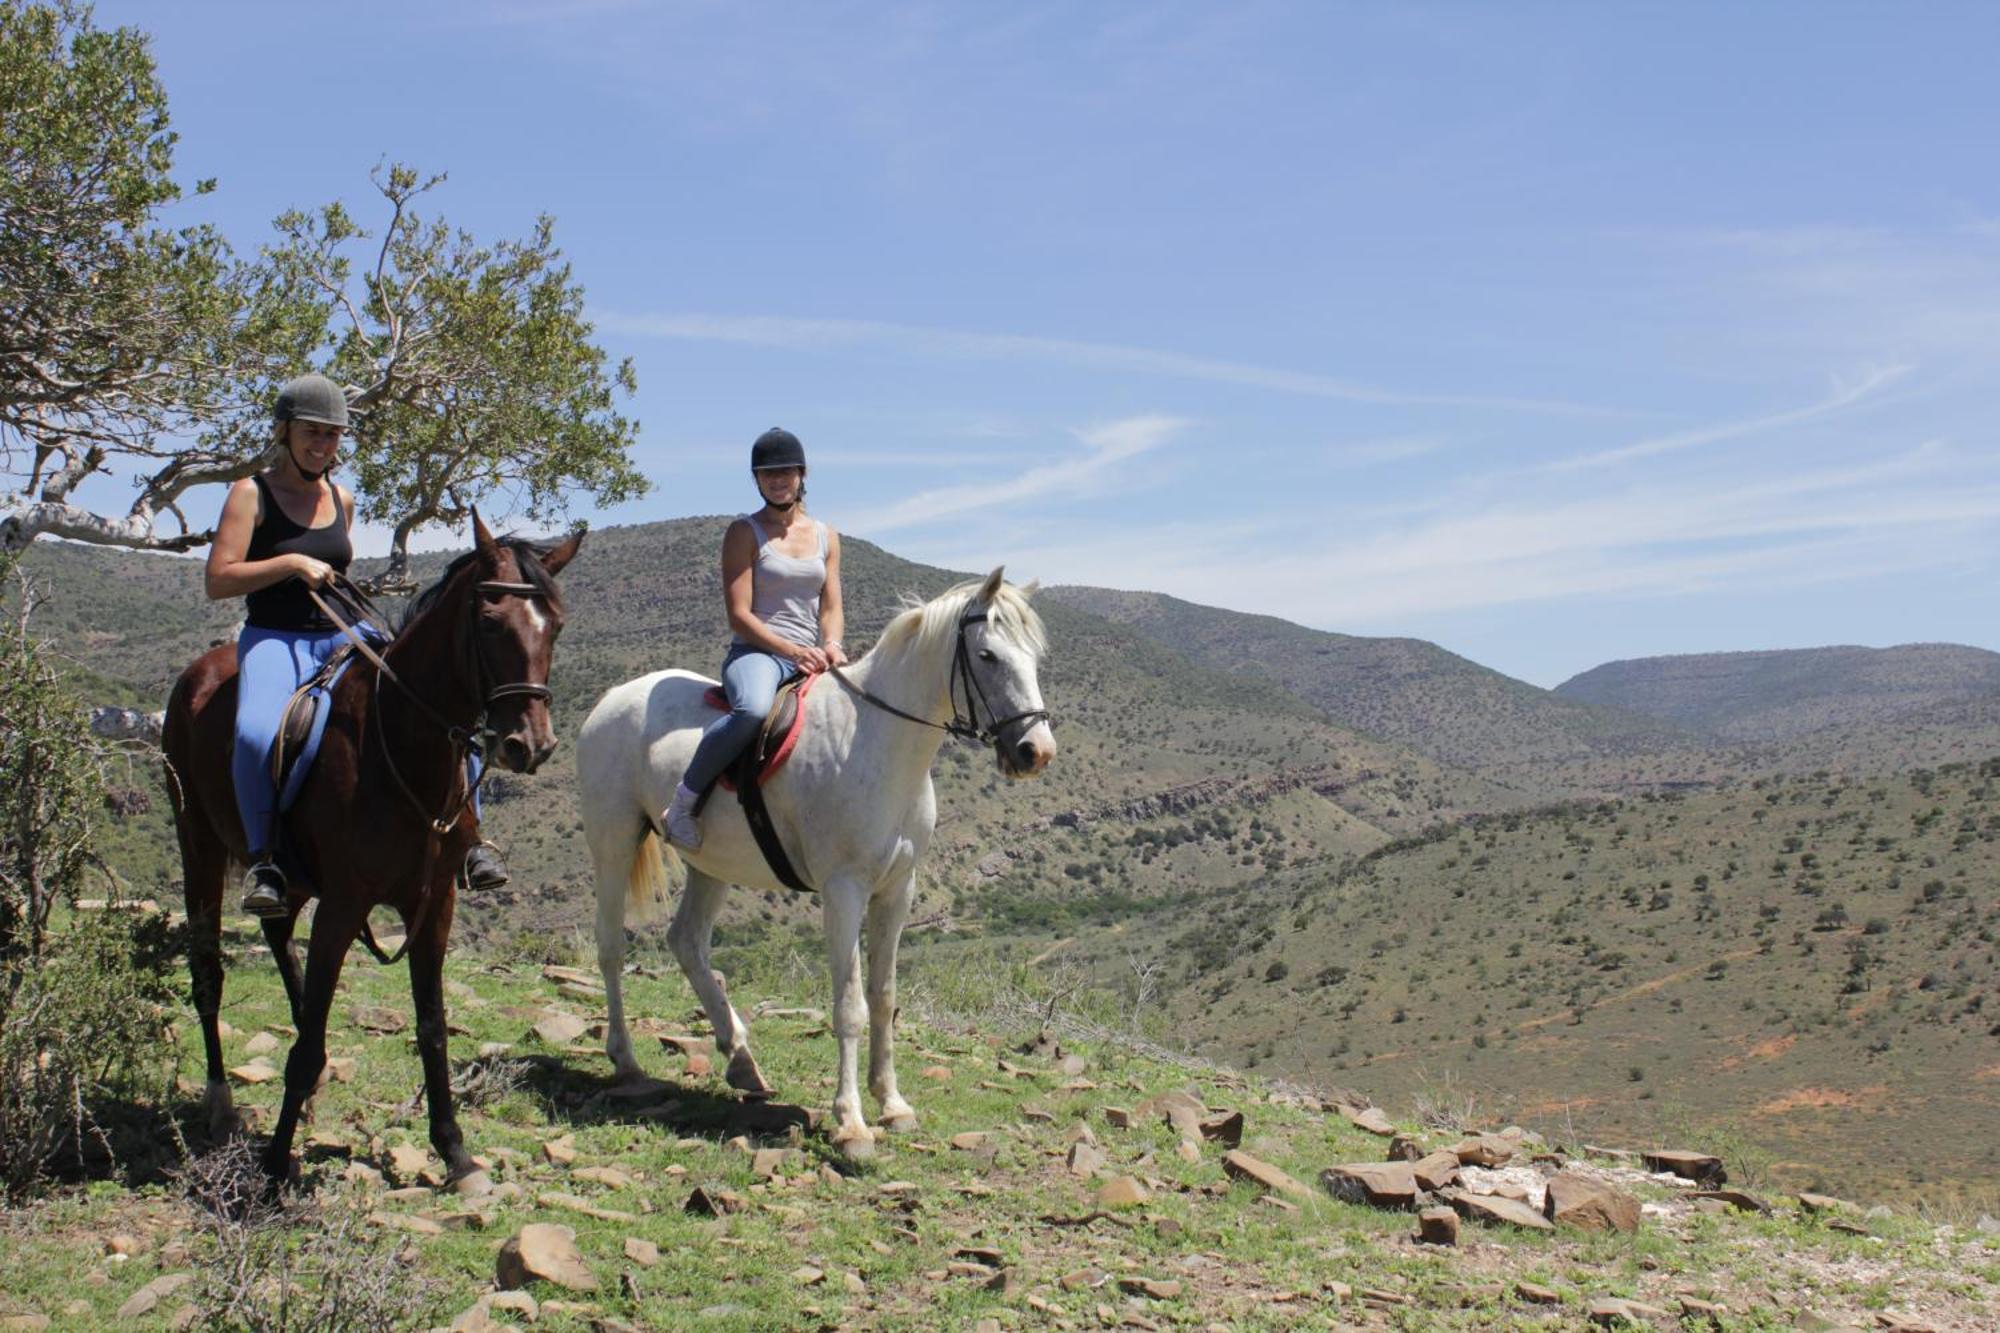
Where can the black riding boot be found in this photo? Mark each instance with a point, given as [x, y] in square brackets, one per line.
[483, 867]
[264, 887]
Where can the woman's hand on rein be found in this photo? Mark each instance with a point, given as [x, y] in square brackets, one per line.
[808, 658]
[313, 573]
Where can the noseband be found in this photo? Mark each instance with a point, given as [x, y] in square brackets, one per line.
[965, 726]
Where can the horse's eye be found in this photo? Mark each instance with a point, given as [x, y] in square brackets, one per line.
[986, 655]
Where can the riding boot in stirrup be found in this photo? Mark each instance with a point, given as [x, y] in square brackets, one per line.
[682, 825]
[483, 867]
[264, 887]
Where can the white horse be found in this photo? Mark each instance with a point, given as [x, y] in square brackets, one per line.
[853, 808]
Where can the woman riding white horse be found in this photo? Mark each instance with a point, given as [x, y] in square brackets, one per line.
[853, 808]
[781, 594]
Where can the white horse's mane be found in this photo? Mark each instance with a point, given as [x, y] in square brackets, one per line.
[930, 627]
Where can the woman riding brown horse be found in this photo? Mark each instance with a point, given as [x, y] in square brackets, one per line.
[383, 818]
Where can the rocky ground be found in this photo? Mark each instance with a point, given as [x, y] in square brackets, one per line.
[1055, 1183]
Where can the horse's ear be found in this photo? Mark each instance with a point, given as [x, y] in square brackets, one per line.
[562, 555]
[1030, 588]
[991, 588]
[482, 540]
[485, 543]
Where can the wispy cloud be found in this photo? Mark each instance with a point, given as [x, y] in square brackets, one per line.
[1924, 508]
[918, 340]
[1106, 447]
[1844, 395]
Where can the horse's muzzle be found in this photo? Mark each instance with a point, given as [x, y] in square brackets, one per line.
[517, 754]
[1028, 756]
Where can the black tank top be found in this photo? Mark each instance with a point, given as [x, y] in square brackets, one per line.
[285, 605]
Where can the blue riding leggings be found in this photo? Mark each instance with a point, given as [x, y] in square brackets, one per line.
[270, 665]
[750, 677]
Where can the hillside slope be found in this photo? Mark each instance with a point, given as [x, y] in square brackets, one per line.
[1405, 690]
[1783, 695]
[688, 1206]
[1808, 960]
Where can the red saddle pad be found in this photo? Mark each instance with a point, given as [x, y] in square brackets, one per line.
[716, 699]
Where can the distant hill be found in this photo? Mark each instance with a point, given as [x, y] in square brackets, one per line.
[1407, 690]
[1807, 959]
[1785, 695]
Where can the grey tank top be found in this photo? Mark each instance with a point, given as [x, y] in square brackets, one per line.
[784, 589]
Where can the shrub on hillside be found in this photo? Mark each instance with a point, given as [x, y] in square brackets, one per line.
[83, 995]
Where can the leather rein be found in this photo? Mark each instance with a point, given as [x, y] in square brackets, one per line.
[965, 726]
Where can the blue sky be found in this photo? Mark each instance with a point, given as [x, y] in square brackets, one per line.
[1551, 333]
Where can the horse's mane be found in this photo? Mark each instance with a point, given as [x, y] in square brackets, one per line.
[531, 572]
[927, 627]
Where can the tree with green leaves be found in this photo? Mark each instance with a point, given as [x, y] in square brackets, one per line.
[478, 370]
[122, 342]
[132, 349]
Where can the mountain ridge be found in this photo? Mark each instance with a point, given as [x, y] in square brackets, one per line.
[1787, 693]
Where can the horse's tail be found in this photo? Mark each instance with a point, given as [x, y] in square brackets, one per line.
[646, 886]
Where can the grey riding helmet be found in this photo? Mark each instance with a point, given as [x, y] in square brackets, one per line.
[775, 448]
[312, 398]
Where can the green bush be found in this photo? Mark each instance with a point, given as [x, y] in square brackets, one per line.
[84, 998]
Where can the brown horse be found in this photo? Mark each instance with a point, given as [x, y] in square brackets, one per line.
[384, 816]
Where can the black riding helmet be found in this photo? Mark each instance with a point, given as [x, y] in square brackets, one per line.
[312, 398]
[775, 448]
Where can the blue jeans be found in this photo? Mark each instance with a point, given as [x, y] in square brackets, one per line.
[270, 665]
[750, 677]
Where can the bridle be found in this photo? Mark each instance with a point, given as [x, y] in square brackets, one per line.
[462, 739]
[965, 726]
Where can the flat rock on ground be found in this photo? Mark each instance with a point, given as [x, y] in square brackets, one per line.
[1384, 1184]
[1243, 1166]
[1492, 1208]
[1696, 1166]
[1590, 1205]
[544, 1251]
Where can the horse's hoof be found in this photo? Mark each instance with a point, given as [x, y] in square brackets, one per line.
[856, 1147]
[901, 1124]
[472, 1185]
[744, 1076]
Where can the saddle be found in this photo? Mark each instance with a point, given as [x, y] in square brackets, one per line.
[303, 726]
[764, 756]
[767, 753]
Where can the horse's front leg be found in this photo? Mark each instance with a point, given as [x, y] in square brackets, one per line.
[843, 901]
[427, 990]
[333, 932]
[887, 911]
[278, 935]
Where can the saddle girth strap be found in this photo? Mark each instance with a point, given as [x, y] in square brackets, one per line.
[758, 816]
[748, 773]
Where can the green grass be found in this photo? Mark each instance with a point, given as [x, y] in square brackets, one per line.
[1242, 1260]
